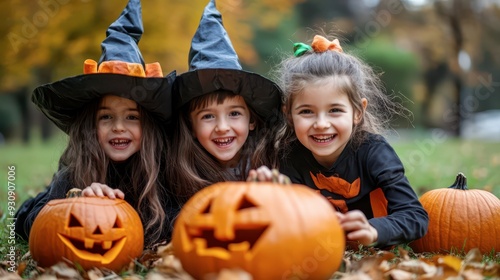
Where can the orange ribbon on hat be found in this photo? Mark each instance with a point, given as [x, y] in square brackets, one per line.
[321, 44]
[120, 67]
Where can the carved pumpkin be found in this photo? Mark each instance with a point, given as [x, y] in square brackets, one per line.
[460, 219]
[89, 231]
[270, 230]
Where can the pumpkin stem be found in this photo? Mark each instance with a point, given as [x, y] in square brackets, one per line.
[460, 182]
[275, 176]
[74, 192]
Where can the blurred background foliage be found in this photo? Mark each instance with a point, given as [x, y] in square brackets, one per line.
[439, 57]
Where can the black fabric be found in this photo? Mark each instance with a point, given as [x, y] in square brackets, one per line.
[259, 93]
[62, 100]
[123, 35]
[214, 65]
[118, 177]
[376, 165]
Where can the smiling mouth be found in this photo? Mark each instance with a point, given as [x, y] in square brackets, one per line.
[245, 239]
[323, 138]
[119, 143]
[91, 249]
[223, 141]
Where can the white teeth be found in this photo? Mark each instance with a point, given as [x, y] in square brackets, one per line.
[119, 142]
[223, 141]
[323, 138]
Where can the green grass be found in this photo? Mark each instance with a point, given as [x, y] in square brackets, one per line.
[34, 163]
[430, 163]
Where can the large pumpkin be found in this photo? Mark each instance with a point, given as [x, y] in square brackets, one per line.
[89, 231]
[460, 219]
[270, 230]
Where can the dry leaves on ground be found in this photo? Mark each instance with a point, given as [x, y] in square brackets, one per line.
[160, 263]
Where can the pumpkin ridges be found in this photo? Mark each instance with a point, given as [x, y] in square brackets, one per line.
[291, 241]
[460, 219]
[52, 236]
[492, 236]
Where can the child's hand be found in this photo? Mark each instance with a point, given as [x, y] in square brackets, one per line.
[97, 189]
[264, 174]
[357, 227]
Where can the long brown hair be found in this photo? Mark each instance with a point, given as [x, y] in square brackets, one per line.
[86, 162]
[192, 168]
[352, 76]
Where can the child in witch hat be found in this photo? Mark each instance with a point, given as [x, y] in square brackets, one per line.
[114, 115]
[224, 125]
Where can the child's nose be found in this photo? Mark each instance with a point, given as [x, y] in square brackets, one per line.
[222, 126]
[118, 126]
[321, 123]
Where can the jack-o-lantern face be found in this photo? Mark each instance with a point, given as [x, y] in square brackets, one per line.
[90, 231]
[266, 229]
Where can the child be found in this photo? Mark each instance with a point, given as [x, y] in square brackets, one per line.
[224, 115]
[114, 116]
[336, 110]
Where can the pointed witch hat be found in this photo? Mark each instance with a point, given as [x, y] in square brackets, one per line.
[214, 65]
[121, 71]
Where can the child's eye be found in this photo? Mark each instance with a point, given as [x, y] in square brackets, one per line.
[336, 110]
[207, 116]
[104, 117]
[235, 114]
[133, 117]
[305, 111]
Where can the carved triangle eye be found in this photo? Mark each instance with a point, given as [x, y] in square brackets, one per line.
[118, 223]
[246, 203]
[74, 222]
[207, 209]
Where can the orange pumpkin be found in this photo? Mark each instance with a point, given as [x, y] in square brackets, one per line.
[460, 219]
[89, 231]
[270, 230]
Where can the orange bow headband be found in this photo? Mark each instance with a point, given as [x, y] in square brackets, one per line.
[320, 44]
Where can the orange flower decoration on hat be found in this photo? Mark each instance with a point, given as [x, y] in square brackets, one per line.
[321, 44]
[120, 67]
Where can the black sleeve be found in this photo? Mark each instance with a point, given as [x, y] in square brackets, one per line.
[30, 208]
[407, 220]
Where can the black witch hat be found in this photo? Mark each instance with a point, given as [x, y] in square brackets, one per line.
[120, 71]
[213, 66]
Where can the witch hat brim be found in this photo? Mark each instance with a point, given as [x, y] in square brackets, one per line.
[214, 65]
[62, 100]
[121, 71]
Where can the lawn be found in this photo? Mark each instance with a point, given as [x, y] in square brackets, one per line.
[431, 162]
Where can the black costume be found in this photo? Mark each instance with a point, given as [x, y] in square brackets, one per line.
[121, 71]
[117, 177]
[369, 178]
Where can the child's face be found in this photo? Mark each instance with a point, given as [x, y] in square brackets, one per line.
[118, 127]
[323, 120]
[222, 129]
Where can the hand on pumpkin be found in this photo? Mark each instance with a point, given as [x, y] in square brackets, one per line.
[98, 189]
[264, 174]
[357, 227]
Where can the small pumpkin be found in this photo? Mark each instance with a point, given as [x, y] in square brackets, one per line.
[89, 231]
[270, 230]
[460, 218]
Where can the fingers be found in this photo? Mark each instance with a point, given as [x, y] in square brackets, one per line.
[357, 227]
[102, 190]
[264, 174]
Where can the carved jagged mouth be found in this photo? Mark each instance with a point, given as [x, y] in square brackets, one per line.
[244, 240]
[94, 250]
